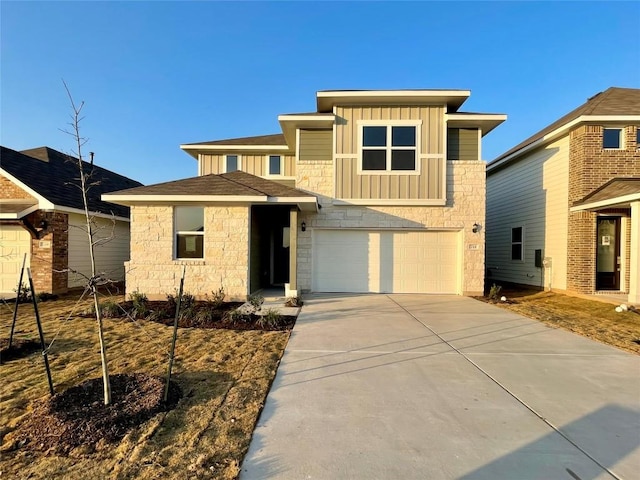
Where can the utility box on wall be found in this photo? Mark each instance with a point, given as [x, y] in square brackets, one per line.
[538, 258]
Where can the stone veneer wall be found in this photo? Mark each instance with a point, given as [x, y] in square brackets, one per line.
[589, 167]
[153, 270]
[465, 206]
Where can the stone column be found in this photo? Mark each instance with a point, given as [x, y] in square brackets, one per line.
[634, 261]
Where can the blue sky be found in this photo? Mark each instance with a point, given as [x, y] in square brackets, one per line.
[154, 75]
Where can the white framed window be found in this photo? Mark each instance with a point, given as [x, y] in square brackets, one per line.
[612, 138]
[275, 165]
[517, 244]
[189, 232]
[232, 163]
[389, 147]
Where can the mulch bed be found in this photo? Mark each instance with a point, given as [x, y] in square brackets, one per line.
[164, 313]
[20, 348]
[78, 417]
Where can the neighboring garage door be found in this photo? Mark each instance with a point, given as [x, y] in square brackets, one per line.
[386, 261]
[15, 241]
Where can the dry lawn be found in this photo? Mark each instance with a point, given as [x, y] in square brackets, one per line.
[224, 375]
[596, 320]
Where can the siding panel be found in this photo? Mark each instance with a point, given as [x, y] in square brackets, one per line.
[315, 145]
[532, 193]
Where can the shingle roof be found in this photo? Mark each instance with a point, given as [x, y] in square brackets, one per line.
[234, 183]
[53, 175]
[276, 139]
[614, 188]
[613, 101]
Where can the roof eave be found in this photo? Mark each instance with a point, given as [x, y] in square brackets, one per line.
[291, 123]
[617, 202]
[326, 100]
[484, 122]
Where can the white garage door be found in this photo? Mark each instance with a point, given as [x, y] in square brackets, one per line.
[15, 241]
[386, 261]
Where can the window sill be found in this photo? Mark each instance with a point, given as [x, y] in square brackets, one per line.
[189, 261]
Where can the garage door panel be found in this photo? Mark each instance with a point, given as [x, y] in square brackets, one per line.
[15, 242]
[385, 261]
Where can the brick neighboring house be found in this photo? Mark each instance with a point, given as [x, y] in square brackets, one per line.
[563, 206]
[42, 216]
[375, 191]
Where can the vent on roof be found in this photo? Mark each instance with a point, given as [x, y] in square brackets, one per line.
[591, 98]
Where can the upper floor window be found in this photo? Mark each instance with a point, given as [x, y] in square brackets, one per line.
[189, 231]
[389, 147]
[612, 138]
[517, 243]
[274, 165]
[231, 163]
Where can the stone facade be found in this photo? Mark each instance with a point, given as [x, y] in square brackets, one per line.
[154, 271]
[590, 166]
[465, 206]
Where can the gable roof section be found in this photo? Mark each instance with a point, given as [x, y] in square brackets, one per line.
[52, 176]
[616, 192]
[233, 187]
[613, 102]
[275, 139]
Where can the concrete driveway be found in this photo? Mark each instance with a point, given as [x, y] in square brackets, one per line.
[444, 387]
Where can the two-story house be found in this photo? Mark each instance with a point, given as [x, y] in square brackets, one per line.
[563, 206]
[375, 191]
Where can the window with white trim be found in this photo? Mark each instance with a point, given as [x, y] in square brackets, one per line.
[231, 163]
[274, 164]
[517, 243]
[189, 232]
[389, 148]
[612, 138]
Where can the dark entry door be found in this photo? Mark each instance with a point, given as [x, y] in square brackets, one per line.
[608, 254]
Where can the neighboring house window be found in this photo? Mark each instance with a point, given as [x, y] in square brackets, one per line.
[274, 165]
[189, 226]
[638, 137]
[517, 244]
[231, 163]
[389, 147]
[612, 138]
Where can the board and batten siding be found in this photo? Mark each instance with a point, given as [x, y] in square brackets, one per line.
[110, 256]
[462, 144]
[428, 185]
[531, 193]
[252, 163]
[315, 145]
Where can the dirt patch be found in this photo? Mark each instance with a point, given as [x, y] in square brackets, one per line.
[78, 417]
[20, 347]
[596, 320]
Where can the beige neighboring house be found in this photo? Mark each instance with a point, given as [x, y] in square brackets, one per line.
[563, 206]
[42, 216]
[375, 191]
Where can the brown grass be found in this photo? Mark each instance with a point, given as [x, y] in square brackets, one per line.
[224, 376]
[593, 319]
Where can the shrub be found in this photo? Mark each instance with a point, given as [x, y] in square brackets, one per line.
[256, 301]
[294, 302]
[494, 292]
[236, 317]
[110, 309]
[25, 293]
[140, 304]
[187, 304]
[217, 298]
[204, 315]
[44, 296]
[270, 319]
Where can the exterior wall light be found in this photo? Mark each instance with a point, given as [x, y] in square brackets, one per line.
[303, 226]
[476, 228]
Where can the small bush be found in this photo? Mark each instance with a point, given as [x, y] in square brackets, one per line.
[187, 304]
[110, 309]
[271, 318]
[25, 293]
[217, 298]
[140, 304]
[294, 302]
[236, 317]
[204, 315]
[256, 301]
[494, 292]
[44, 296]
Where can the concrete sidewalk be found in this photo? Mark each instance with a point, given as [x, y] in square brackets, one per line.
[444, 387]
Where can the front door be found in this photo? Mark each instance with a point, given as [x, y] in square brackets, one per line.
[608, 254]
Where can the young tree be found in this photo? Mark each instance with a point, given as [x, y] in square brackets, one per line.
[86, 183]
